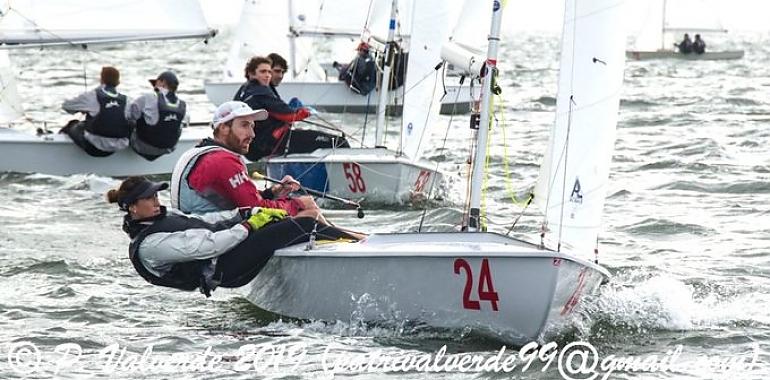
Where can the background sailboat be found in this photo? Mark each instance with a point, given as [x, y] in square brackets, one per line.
[666, 22]
[503, 287]
[70, 23]
[305, 33]
[387, 175]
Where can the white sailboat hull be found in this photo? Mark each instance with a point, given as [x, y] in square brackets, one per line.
[337, 97]
[668, 54]
[499, 286]
[56, 154]
[376, 175]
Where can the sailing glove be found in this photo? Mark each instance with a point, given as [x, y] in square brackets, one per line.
[295, 104]
[263, 216]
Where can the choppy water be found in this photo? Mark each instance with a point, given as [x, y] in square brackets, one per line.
[687, 237]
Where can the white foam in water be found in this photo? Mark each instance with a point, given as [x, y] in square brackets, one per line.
[669, 304]
[100, 184]
[658, 303]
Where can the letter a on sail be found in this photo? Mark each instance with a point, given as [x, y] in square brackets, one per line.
[577, 193]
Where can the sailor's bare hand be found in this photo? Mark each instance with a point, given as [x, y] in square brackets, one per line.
[307, 202]
[288, 185]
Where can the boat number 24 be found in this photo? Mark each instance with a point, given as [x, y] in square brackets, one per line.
[353, 175]
[485, 289]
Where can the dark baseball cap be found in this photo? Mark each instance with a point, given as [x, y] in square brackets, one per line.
[144, 189]
[168, 77]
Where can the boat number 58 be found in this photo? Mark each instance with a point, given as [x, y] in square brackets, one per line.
[353, 174]
[485, 289]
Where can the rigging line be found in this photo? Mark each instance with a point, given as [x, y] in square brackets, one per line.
[506, 169]
[100, 53]
[564, 178]
[443, 149]
[406, 91]
[512, 194]
[37, 27]
[469, 172]
[515, 221]
[569, 124]
[566, 139]
[389, 48]
[431, 106]
[484, 214]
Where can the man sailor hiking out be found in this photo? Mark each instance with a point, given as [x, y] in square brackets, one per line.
[106, 127]
[213, 176]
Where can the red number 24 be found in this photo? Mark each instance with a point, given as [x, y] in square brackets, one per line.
[486, 290]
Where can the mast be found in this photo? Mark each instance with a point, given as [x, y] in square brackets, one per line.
[477, 174]
[292, 41]
[663, 28]
[384, 84]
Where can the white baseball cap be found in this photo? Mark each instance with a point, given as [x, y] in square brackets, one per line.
[230, 110]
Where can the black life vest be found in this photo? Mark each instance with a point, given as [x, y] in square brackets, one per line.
[111, 119]
[184, 276]
[164, 134]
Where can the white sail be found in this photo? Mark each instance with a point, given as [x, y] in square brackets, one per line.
[650, 36]
[431, 22]
[258, 19]
[75, 22]
[571, 188]
[358, 18]
[467, 47]
[664, 22]
[10, 104]
[264, 28]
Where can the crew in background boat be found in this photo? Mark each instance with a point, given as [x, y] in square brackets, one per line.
[188, 252]
[685, 47]
[361, 73]
[275, 135]
[698, 45]
[272, 132]
[398, 71]
[278, 69]
[213, 176]
[105, 129]
[158, 116]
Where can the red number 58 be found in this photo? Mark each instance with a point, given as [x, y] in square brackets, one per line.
[353, 174]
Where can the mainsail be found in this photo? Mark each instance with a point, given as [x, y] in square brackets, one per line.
[266, 27]
[296, 30]
[572, 185]
[40, 23]
[10, 104]
[430, 27]
[77, 22]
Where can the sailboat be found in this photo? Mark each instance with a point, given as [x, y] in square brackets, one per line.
[64, 23]
[380, 175]
[664, 24]
[507, 288]
[266, 28]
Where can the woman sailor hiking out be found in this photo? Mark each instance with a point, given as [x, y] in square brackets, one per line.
[188, 252]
